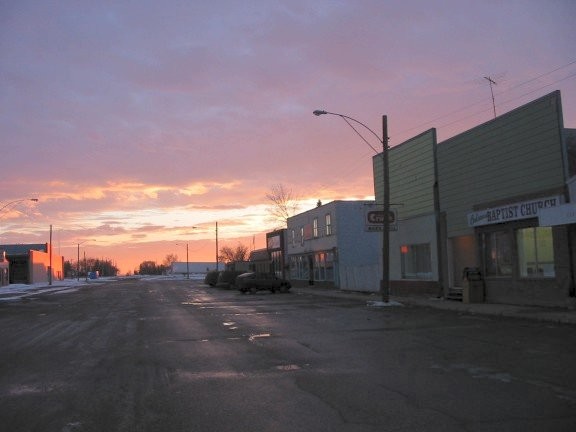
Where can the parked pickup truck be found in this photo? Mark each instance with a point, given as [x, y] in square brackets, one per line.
[254, 281]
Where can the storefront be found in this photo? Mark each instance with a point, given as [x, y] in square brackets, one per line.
[494, 181]
[521, 261]
[275, 246]
[314, 268]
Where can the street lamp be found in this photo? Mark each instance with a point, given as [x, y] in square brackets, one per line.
[17, 201]
[78, 260]
[385, 281]
[187, 268]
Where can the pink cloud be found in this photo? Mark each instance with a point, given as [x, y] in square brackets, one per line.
[124, 107]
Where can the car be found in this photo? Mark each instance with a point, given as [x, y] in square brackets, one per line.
[211, 277]
[256, 281]
[227, 278]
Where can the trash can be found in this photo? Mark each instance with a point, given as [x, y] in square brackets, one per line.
[473, 291]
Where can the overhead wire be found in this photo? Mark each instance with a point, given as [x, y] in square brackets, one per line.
[459, 110]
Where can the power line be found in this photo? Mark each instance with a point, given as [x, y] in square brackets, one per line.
[465, 108]
[507, 101]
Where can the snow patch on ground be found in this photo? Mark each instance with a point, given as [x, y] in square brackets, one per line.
[16, 292]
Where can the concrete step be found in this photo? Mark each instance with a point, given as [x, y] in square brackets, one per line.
[455, 294]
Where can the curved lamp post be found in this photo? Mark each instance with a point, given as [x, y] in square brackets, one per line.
[15, 202]
[385, 281]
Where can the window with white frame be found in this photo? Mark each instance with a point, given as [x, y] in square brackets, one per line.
[315, 227]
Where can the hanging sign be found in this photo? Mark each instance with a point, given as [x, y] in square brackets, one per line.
[374, 219]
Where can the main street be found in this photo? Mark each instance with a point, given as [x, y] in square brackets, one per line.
[165, 355]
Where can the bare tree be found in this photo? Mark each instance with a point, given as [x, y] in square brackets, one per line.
[283, 204]
[227, 254]
[169, 260]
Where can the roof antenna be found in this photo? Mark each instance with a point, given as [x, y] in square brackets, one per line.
[492, 82]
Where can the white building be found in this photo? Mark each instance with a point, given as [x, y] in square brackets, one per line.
[334, 245]
[192, 267]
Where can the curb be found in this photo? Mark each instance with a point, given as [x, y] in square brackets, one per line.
[534, 313]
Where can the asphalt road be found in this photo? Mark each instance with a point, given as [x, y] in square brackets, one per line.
[179, 356]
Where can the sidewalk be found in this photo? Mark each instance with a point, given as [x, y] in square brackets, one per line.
[536, 313]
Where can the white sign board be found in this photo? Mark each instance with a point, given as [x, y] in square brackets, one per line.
[561, 215]
[512, 212]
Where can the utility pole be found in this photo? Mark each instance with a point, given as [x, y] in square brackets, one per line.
[216, 246]
[50, 266]
[492, 82]
[385, 281]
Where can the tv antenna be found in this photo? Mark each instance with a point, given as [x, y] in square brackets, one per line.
[491, 82]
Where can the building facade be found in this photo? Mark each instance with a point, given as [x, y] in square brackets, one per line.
[333, 245]
[415, 258]
[4, 267]
[33, 263]
[482, 194]
[276, 247]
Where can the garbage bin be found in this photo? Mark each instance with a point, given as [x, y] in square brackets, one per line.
[473, 291]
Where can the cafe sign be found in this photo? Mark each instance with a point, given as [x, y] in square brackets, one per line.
[374, 219]
[511, 212]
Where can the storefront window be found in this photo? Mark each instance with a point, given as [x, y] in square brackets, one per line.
[276, 264]
[329, 266]
[322, 266]
[415, 261]
[498, 253]
[319, 266]
[299, 267]
[535, 252]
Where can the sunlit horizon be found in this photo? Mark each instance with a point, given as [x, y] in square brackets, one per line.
[134, 122]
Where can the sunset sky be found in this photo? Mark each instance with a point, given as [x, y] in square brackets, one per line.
[134, 121]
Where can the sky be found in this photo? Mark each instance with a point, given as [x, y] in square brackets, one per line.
[139, 125]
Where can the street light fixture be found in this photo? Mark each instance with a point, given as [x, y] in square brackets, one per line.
[385, 281]
[17, 201]
[187, 267]
[78, 260]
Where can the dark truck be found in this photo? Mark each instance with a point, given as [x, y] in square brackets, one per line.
[254, 281]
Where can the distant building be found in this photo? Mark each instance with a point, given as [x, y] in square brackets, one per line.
[33, 263]
[4, 277]
[260, 261]
[192, 267]
[276, 248]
